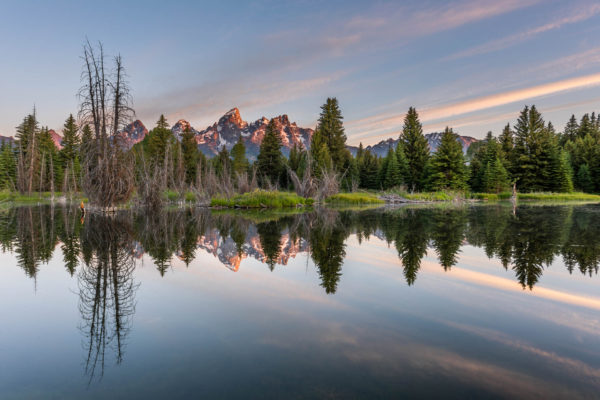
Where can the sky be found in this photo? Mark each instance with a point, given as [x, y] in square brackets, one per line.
[468, 64]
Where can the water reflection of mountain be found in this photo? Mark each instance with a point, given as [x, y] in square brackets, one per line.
[526, 241]
[227, 251]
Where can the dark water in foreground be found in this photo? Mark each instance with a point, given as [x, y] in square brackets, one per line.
[470, 302]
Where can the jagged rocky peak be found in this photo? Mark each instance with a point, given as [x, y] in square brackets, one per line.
[180, 127]
[230, 127]
[283, 120]
[232, 117]
[133, 133]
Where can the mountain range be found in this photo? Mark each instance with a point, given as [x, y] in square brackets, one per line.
[433, 139]
[230, 127]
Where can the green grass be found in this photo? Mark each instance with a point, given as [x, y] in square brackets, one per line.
[537, 196]
[262, 199]
[190, 197]
[354, 198]
[433, 196]
[575, 196]
[486, 196]
[16, 197]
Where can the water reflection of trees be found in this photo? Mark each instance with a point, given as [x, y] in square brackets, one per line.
[106, 289]
[526, 241]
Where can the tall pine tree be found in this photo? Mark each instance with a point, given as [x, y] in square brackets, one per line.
[270, 163]
[416, 149]
[448, 167]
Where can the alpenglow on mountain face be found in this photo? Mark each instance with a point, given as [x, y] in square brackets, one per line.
[228, 129]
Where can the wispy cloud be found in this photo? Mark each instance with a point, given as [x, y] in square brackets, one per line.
[376, 126]
[580, 15]
[202, 105]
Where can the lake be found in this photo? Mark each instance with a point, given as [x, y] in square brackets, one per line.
[473, 301]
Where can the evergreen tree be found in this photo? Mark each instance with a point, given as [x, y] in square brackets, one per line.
[584, 179]
[368, 171]
[586, 126]
[402, 161]
[8, 167]
[86, 141]
[270, 164]
[240, 162]
[382, 172]
[571, 130]
[27, 141]
[330, 128]
[416, 149]
[190, 154]
[448, 166]
[222, 162]
[162, 122]
[51, 167]
[319, 152]
[495, 177]
[563, 177]
[161, 142]
[530, 154]
[393, 175]
[70, 142]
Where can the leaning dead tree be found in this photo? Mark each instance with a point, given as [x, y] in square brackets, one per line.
[105, 104]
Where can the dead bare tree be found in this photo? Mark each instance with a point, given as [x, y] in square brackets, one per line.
[105, 104]
[152, 183]
[308, 185]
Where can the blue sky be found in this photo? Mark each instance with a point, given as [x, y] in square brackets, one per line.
[469, 64]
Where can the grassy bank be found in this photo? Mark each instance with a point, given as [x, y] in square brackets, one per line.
[537, 196]
[354, 198]
[16, 197]
[262, 199]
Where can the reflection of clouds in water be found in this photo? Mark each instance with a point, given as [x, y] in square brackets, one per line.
[574, 367]
[399, 355]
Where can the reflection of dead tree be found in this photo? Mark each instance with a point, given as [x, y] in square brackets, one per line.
[106, 290]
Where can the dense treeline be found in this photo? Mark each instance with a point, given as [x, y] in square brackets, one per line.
[95, 158]
[531, 155]
[526, 240]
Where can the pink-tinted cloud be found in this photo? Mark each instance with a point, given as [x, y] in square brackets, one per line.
[581, 14]
[377, 126]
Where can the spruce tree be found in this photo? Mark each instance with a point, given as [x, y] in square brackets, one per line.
[495, 177]
[416, 149]
[564, 174]
[191, 155]
[448, 167]
[393, 175]
[222, 162]
[238, 153]
[270, 163]
[319, 152]
[530, 154]
[86, 140]
[402, 161]
[8, 167]
[368, 170]
[586, 127]
[70, 141]
[571, 129]
[160, 141]
[382, 172]
[331, 129]
[584, 179]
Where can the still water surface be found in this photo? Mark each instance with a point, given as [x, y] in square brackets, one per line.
[454, 302]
